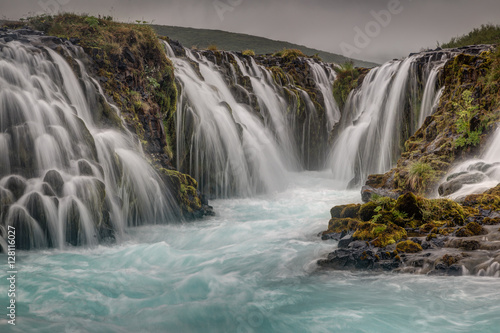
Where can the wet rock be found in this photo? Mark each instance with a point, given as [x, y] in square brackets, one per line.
[345, 241]
[16, 185]
[55, 180]
[84, 168]
[458, 181]
[407, 204]
[367, 192]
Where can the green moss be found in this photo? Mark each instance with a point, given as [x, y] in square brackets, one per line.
[345, 82]
[379, 235]
[408, 246]
[250, 53]
[350, 211]
[185, 187]
[338, 225]
[367, 211]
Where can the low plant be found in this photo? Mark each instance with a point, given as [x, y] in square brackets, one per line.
[419, 174]
[466, 111]
[248, 53]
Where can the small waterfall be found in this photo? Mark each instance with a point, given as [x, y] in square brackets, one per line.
[239, 131]
[63, 179]
[324, 77]
[382, 113]
[475, 175]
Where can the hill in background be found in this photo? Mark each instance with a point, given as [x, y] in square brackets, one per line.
[230, 41]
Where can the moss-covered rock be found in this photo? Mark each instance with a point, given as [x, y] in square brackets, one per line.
[367, 211]
[185, 189]
[380, 235]
[408, 246]
[350, 211]
[471, 229]
[339, 225]
[407, 203]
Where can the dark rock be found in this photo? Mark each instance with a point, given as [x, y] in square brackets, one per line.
[84, 168]
[458, 181]
[345, 241]
[367, 192]
[16, 185]
[55, 180]
[128, 55]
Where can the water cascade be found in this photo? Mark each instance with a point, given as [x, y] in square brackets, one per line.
[389, 106]
[241, 126]
[63, 178]
[475, 175]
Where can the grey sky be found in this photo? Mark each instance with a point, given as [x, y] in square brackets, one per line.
[322, 24]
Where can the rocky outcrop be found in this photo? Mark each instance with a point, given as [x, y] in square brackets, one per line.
[442, 140]
[417, 235]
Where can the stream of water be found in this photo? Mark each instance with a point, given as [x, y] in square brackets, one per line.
[251, 268]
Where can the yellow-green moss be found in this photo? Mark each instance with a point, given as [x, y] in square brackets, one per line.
[380, 235]
[337, 225]
[408, 246]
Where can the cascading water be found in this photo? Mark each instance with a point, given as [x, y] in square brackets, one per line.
[382, 113]
[475, 175]
[236, 127]
[63, 179]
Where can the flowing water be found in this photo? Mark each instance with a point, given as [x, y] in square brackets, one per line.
[249, 269]
[389, 106]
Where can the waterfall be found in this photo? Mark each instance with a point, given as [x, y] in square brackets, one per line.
[63, 178]
[239, 131]
[475, 175]
[389, 106]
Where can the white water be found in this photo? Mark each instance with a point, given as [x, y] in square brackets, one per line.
[249, 269]
[490, 176]
[234, 148]
[383, 112]
[60, 174]
[230, 152]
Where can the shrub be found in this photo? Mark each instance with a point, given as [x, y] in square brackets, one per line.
[248, 53]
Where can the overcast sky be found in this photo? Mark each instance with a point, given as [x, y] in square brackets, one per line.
[346, 27]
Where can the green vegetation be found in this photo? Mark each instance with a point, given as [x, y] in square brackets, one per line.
[289, 54]
[248, 53]
[486, 34]
[229, 41]
[466, 112]
[419, 174]
[386, 221]
[346, 81]
[212, 47]
[147, 88]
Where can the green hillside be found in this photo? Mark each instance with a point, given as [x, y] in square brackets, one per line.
[486, 34]
[230, 41]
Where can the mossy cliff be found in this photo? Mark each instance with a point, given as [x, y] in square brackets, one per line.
[131, 66]
[467, 114]
[397, 228]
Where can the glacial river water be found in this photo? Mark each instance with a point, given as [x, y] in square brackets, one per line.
[251, 268]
